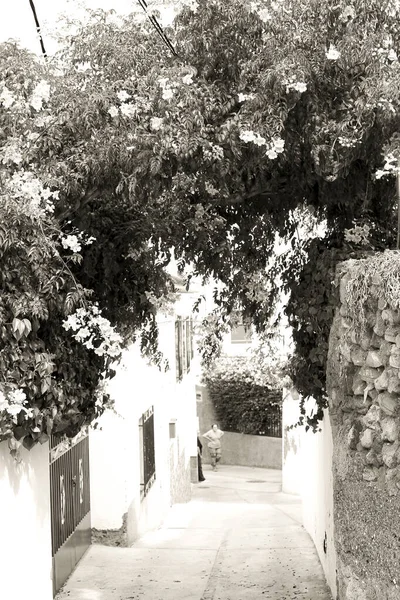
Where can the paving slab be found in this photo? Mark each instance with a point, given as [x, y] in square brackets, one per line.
[239, 538]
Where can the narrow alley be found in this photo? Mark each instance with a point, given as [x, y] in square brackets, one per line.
[240, 537]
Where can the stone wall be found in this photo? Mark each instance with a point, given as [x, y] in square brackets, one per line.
[363, 380]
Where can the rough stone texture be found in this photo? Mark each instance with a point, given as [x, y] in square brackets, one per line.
[367, 438]
[365, 412]
[373, 359]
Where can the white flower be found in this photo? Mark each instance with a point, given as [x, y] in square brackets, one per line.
[348, 14]
[332, 53]
[271, 153]
[129, 110]
[123, 96]
[392, 55]
[264, 15]
[299, 86]
[156, 123]
[71, 242]
[40, 94]
[279, 145]
[247, 136]
[259, 140]
[113, 111]
[163, 81]
[17, 397]
[244, 97]
[167, 93]
[7, 98]
[188, 79]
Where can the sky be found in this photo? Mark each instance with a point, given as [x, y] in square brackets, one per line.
[16, 18]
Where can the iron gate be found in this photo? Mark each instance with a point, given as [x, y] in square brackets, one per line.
[70, 504]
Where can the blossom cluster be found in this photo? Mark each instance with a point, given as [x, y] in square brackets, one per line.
[243, 97]
[292, 84]
[94, 331]
[40, 94]
[358, 234]
[274, 147]
[127, 109]
[74, 241]
[35, 198]
[168, 88]
[332, 53]
[210, 189]
[13, 404]
[213, 152]
[390, 167]
[346, 142]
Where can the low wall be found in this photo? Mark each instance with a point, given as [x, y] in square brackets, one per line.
[307, 471]
[25, 529]
[248, 451]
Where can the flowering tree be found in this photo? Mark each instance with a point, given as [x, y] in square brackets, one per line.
[117, 150]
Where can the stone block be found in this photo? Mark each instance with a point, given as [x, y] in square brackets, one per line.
[391, 333]
[369, 373]
[381, 383]
[387, 402]
[373, 359]
[370, 473]
[374, 458]
[389, 455]
[380, 325]
[382, 303]
[394, 358]
[353, 437]
[376, 341]
[373, 394]
[367, 438]
[390, 429]
[391, 316]
[372, 417]
[359, 385]
[365, 341]
[386, 348]
[394, 384]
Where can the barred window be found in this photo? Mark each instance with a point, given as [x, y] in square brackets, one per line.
[184, 350]
[147, 451]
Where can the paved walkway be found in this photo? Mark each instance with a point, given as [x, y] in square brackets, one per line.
[239, 539]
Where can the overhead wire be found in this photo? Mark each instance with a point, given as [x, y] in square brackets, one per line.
[38, 28]
[153, 20]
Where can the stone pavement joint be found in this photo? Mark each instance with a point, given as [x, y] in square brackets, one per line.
[239, 538]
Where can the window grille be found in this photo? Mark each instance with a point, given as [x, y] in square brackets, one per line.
[183, 346]
[146, 440]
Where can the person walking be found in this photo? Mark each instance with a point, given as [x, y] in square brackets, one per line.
[214, 436]
[199, 455]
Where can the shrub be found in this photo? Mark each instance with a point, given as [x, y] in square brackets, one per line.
[243, 399]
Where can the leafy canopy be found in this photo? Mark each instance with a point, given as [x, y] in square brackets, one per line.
[115, 151]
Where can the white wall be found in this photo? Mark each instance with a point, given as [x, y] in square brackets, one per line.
[25, 530]
[307, 470]
[115, 450]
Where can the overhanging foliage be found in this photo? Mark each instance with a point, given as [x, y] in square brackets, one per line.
[281, 104]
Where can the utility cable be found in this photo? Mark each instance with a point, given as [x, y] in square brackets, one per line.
[157, 27]
[38, 29]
